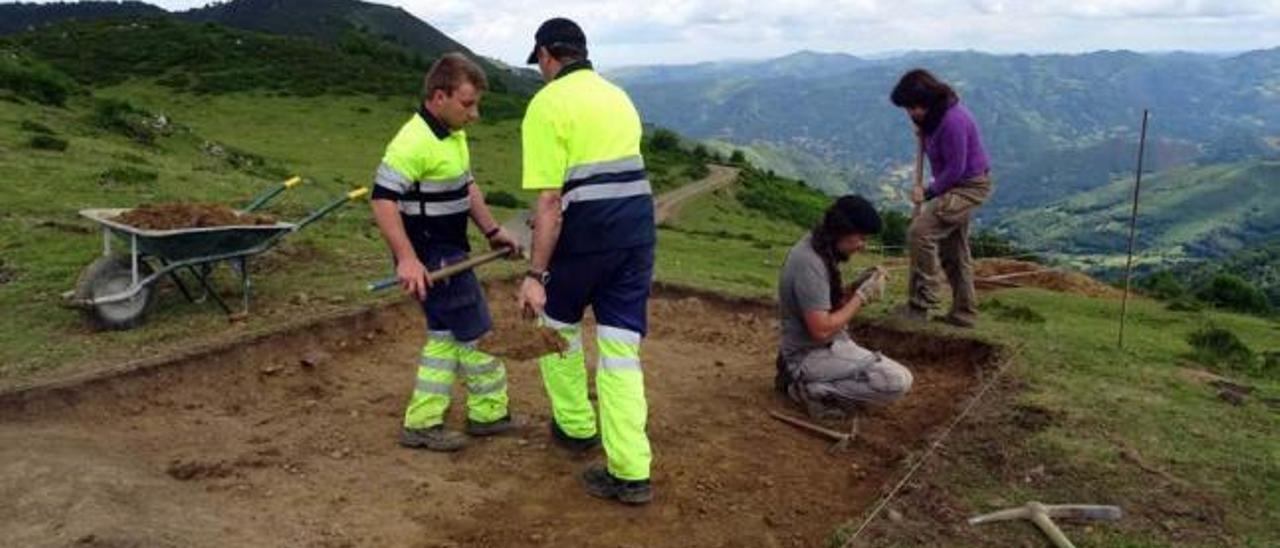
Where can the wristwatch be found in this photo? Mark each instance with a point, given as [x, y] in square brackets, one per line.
[541, 277]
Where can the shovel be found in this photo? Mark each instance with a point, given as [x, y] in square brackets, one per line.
[919, 175]
[517, 227]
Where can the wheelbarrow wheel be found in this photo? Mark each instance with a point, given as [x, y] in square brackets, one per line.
[108, 276]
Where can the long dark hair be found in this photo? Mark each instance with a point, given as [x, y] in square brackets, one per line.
[920, 88]
[850, 214]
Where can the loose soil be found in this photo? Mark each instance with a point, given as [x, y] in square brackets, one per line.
[175, 216]
[253, 447]
[1053, 280]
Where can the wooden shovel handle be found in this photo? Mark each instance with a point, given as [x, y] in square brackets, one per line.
[919, 181]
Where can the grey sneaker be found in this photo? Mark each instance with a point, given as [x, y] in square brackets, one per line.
[481, 429]
[600, 483]
[910, 313]
[435, 438]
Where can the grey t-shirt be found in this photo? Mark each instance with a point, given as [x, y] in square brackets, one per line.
[804, 286]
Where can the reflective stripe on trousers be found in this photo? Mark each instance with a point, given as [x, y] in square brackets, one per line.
[620, 386]
[442, 357]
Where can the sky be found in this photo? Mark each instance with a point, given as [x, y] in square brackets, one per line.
[645, 32]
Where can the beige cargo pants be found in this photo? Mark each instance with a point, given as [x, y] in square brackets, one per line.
[938, 240]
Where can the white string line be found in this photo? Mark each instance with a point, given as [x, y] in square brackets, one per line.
[932, 447]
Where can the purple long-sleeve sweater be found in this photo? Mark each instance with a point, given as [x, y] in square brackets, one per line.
[955, 151]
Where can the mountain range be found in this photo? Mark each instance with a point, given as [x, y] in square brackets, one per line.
[1054, 125]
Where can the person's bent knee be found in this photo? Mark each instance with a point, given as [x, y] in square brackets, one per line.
[892, 378]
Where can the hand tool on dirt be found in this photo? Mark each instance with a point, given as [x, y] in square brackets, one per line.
[841, 439]
[919, 182]
[1042, 515]
[517, 227]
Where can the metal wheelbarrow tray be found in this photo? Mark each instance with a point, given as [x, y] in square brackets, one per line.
[117, 289]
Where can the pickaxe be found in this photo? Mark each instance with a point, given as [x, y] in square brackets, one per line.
[1043, 515]
[841, 439]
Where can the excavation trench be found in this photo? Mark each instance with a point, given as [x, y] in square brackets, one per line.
[249, 446]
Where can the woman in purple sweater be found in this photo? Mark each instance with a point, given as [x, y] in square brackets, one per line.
[939, 235]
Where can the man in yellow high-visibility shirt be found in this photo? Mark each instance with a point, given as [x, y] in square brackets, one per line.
[423, 197]
[593, 245]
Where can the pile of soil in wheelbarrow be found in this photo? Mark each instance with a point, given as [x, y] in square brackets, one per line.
[174, 216]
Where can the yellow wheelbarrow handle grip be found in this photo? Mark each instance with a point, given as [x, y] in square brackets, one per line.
[295, 181]
[357, 193]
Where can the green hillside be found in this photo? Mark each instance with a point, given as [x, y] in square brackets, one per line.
[99, 122]
[1185, 212]
[387, 32]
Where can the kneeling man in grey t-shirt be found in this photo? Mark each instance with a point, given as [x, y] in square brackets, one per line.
[819, 365]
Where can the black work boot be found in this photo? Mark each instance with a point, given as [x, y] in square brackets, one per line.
[600, 483]
[481, 429]
[575, 445]
[434, 438]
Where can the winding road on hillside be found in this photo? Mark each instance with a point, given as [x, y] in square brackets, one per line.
[667, 205]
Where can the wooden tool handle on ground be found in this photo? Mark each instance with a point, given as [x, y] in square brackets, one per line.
[809, 426]
[919, 181]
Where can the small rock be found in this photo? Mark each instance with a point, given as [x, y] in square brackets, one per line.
[315, 358]
[336, 455]
[1232, 397]
[269, 370]
[895, 516]
[337, 299]
[299, 299]
[522, 442]
[536, 537]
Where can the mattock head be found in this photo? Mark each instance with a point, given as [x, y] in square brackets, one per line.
[842, 444]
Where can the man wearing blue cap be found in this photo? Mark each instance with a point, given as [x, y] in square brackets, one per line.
[593, 245]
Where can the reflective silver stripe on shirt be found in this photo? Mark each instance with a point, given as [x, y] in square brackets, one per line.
[428, 387]
[606, 191]
[439, 364]
[487, 388]
[387, 177]
[436, 186]
[621, 165]
[618, 335]
[620, 363]
[436, 209]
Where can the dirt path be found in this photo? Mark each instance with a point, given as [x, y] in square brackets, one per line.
[668, 204]
[249, 447]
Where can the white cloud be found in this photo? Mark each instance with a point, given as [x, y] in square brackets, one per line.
[624, 32]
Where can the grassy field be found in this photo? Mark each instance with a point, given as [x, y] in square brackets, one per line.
[335, 143]
[1102, 401]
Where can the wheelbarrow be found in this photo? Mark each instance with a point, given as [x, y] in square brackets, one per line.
[116, 290]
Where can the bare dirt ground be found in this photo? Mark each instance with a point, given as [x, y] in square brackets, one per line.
[667, 206]
[1015, 273]
[252, 447]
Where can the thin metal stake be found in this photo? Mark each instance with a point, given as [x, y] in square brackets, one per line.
[1133, 225]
